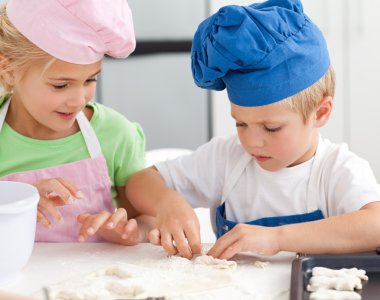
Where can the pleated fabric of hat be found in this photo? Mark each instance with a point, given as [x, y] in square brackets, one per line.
[76, 31]
[261, 53]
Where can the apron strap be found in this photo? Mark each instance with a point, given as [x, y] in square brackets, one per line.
[89, 135]
[233, 177]
[3, 112]
[321, 158]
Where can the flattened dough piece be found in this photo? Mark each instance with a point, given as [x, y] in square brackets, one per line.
[334, 295]
[341, 272]
[343, 283]
[215, 262]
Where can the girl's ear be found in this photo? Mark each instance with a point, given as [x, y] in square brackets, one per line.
[323, 111]
[6, 74]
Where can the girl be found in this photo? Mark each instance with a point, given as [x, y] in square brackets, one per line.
[77, 153]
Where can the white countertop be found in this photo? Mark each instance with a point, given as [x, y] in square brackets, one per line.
[52, 263]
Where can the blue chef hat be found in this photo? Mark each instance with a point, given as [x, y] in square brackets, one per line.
[261, 53]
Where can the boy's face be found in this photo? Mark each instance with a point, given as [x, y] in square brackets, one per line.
[276, 136]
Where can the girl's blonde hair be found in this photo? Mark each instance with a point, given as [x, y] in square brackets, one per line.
[306, 101]
[16, 51]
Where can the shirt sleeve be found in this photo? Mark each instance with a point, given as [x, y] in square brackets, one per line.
[352, 183]
[122, 142]
[199, 177]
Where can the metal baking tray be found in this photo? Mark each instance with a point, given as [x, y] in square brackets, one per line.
[302, 266]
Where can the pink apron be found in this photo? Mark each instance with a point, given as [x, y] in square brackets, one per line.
[89, 175]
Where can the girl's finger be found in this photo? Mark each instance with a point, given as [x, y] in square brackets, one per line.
[92, 224]
[116, 217]
[48, 206]
[41, 219]
[71, 187]
[131, 229]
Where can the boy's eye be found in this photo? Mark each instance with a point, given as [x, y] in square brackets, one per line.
[269, 129]
[91, 80]
[240, 124]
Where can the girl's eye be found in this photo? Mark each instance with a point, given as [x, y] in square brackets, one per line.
[272, 129]
[59, 86]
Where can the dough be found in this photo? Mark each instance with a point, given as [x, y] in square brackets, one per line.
[215, 262]
[112, 271]
[261, 264]
[341, 272]
[343, 283]
[323, 294]
[124, 290]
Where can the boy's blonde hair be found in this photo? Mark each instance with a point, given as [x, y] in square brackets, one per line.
[16, 51]
[306, 101]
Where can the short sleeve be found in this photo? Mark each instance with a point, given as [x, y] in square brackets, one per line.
[199, 176]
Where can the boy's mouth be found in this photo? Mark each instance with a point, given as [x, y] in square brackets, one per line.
[261, 158]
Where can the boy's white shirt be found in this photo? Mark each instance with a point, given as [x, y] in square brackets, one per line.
[341, 181]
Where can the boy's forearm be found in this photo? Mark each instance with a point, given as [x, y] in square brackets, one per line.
[145, 189]
[352, 232]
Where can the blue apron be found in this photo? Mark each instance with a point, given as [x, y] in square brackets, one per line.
[223, 225]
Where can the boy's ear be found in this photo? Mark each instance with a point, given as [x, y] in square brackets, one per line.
[323, 111]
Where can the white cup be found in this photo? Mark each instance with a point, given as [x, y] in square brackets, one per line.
[18, 214]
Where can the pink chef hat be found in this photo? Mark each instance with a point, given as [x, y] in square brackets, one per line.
[76, 31]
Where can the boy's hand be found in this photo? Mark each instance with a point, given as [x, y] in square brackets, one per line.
[114, 227]
[54, 192]
[259, 239]
[177, 226]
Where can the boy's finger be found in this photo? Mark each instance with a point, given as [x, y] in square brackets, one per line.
[154, 237]
[167, 242]
[182, 245]
[194, 239]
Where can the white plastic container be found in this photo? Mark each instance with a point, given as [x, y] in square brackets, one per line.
[18, 214]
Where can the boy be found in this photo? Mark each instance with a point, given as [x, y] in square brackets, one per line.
[278, 186]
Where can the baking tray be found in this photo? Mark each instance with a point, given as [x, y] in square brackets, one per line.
[302, 266]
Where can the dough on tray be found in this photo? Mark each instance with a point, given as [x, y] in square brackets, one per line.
[341, 272]
[343, 283]
[323, 294]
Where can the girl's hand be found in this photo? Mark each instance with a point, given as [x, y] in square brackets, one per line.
[177, 226]
[114, 227]
[54, 192]
[259, 239]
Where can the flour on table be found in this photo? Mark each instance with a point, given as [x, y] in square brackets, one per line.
[173, 277]
[215, 262]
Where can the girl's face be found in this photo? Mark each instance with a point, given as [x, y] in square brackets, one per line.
[276, 136]
[47, 98]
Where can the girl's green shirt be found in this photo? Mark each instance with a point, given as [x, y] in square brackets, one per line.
[122, 143]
